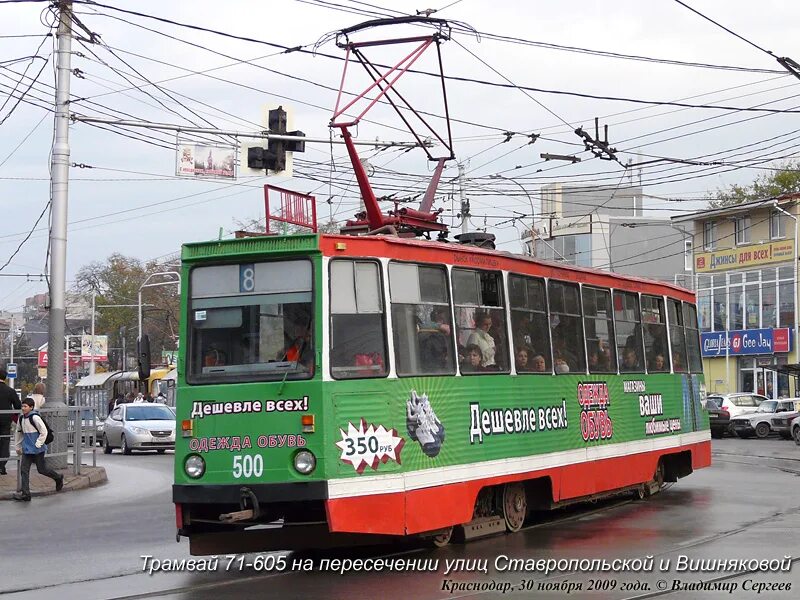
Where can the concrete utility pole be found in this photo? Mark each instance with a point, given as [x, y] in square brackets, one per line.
[58, 235]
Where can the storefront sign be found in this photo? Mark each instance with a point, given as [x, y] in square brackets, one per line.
[746, 341]
[744, 256]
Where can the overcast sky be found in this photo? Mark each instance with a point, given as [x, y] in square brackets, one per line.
[131, 202]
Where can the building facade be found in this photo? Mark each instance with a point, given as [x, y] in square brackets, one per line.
[603, 228]
[745, 263]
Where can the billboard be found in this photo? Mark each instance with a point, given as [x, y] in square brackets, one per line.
[744, 256]
[205, 161]
[100, 348]
[745, 341]
[74, 358]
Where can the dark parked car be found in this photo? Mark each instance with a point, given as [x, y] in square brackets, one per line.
[718, 418]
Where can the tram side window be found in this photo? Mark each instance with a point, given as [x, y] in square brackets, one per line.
[531, 333]
[655, 334]
[358, 335]
[599, 327]
[566, 327]
[480, 321]
[627, 319]
[692, 338]
[677, 336]
[421, 319]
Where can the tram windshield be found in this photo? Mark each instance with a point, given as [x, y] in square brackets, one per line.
[251, 322]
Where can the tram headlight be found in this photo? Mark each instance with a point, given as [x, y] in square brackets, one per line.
[304, 462]
[194, 466]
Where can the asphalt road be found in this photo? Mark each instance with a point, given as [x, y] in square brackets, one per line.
[88, 544]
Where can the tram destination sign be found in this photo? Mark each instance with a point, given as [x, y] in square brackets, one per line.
[740, 342]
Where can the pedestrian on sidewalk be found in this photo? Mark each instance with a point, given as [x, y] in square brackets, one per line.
[38, 396]
[31, 434]
[8, 401]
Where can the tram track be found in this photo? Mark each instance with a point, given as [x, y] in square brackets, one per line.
[255, 578]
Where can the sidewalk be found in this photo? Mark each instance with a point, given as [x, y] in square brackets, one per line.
[44, 486]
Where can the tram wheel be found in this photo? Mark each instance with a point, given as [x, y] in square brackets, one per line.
[515, 505]
[658, 476]
[442, 539]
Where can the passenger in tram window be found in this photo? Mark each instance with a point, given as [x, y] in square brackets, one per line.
[481, 338]
[522, 329]
[539, 364]
[213, 357]
[630, 361]
[561, 351]
[440, 320]
[434, 349]
[598, 361]
[677, 362]
[658, 364]
[561, 363]
[522, 361]
[474, 359]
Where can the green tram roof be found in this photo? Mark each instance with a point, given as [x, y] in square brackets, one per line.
[305, 244]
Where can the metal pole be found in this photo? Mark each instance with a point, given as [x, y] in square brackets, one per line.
[94, 307]
[796, 325]
[11, 338]
[58, 234]
[464, 200]
[533, 211]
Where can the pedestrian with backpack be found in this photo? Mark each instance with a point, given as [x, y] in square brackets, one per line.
[32, 437]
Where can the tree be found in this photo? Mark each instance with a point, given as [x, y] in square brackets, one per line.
[772, 184]
[117, 281]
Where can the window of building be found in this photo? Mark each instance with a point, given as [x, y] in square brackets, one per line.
[655, 334]
[687, 255]
[358, 333]
[692, 338]
[480, 321]
[786, 297]
[709, 235]
[628, 322]
[599, 327]
[752, 306]
[566, 327]
[777, 225]
[529, 326]
[573, 249]
[720, 308]
[704, 309]
[677, 336]
[742, 226]
[736, 306]
[769, 298]
[421, 320]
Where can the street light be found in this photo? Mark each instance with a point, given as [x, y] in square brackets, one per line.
[94, 311]
[175, 278]
[533, 222]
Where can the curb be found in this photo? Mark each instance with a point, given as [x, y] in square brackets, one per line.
[92, 477]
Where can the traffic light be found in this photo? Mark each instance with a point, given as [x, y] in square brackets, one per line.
[273, 157]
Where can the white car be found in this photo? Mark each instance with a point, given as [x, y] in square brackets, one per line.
[737, 404]
[759, 423]
[139, 426]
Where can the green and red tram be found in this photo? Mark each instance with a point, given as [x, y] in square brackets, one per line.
[339, 386]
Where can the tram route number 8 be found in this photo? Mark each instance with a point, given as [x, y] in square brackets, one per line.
[248, 465]
[247, 278]
[361, 445]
